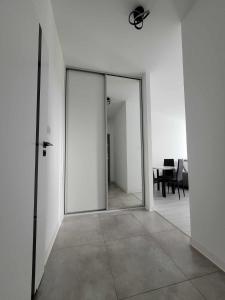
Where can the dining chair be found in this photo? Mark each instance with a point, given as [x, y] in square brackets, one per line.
[177, 180]
[155, 179]
[169, 162]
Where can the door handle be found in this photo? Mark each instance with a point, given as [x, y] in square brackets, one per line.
[47, 144]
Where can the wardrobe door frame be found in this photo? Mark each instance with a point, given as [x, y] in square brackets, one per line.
[105, 74]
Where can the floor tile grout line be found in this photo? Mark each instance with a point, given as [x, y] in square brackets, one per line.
[162, 248]
[108, 258]
[77, 246]
[155, 289]
[159, 216]
[177, 228]
[102, 246]
[111, 271]
[178, 267]
[203, 296]
[166, 230]
[167, 253]
[171, 285]
[149, 235]
[104, 240]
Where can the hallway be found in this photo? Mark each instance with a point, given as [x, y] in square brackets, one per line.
[126, 255]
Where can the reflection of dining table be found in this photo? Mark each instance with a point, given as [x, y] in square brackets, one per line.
[162, 168]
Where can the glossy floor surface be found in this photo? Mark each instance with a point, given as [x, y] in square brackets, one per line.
[127, 255]
[175, 210]
[118, 199]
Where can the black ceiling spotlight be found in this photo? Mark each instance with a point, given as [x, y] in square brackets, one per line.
[137, 16]
[108, 101]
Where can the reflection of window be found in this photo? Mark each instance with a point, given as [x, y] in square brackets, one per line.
[186, 165]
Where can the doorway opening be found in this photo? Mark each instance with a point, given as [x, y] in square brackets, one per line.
[169, 142]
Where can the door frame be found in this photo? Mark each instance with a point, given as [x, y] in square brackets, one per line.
[108, 156]
[105, 74]
[36, 163]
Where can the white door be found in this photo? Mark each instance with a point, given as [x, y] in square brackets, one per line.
[43, 165]
[86, 146]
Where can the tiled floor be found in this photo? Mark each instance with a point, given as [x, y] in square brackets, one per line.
[127, 255]
[119, 199]
[174, 210]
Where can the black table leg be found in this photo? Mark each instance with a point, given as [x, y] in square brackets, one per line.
[173, 188]
[163, 189]
[158, 183]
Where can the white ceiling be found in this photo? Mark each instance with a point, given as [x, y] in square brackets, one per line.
[95, 34]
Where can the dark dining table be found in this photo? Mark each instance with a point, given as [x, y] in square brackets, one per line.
[162, 168]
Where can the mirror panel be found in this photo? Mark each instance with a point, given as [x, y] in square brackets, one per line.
[124, 145]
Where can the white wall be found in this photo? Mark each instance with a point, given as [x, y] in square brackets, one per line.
[18, 77]
[18, 89]
[167, 101]
[169, 138]
[204, 77]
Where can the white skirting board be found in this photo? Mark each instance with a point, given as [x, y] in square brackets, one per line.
[218, 262]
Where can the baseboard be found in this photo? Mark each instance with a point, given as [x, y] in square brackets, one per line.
[53, 240]
[217, 261]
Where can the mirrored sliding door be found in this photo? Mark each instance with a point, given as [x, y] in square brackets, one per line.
[124, 143]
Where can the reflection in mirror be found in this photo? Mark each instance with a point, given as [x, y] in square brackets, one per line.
[124, 143]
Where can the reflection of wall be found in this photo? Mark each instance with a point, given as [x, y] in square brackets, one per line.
[119, 147]
[111, 133]
[125, 147]
[134, 182]
[126, 131]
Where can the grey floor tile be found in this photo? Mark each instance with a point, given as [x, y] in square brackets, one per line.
[79, 273]
[119, 226]
[81, 223]
[139, 264]
[182, 291]
[178, 247]
[152, 221]
[78, 238]
[211, 286]
[174, 210]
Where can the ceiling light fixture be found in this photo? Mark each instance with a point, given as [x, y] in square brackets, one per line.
[137, 16]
